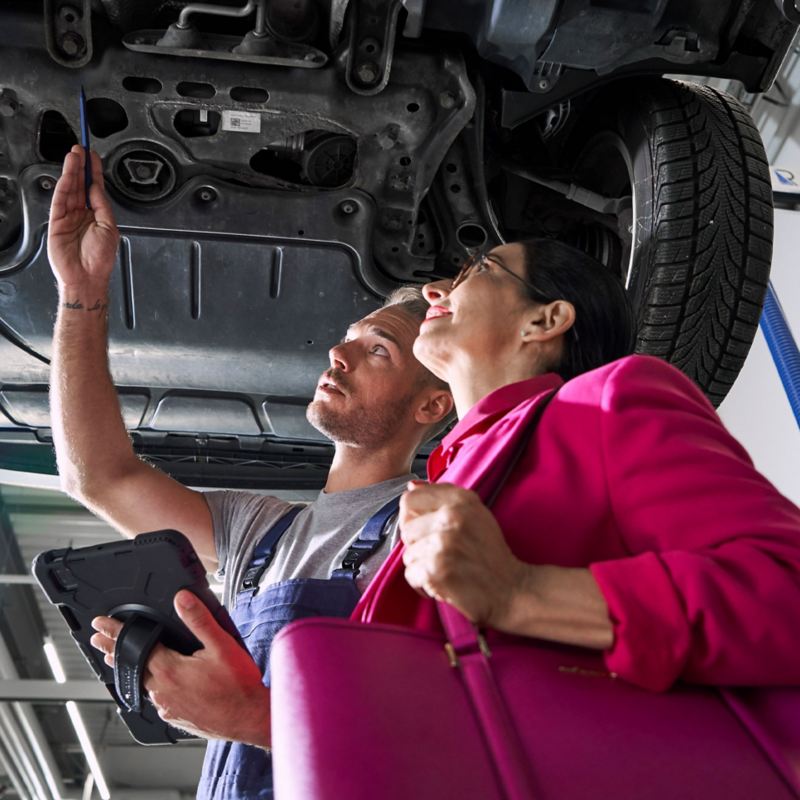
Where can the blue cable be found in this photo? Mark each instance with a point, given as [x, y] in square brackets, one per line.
[783, 348]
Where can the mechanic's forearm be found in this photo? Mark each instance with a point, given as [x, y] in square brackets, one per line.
[559, 604]
[92, 445]
[255, 727]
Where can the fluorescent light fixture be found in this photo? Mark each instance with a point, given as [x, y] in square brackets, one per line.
[40, 757]
[88, 750]
[54, 661]
[77, 721]
[88, 787]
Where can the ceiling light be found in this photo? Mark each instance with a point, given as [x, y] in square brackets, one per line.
[88, 750]
[77, 721]
[54, 661]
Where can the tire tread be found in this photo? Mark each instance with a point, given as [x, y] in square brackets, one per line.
[712, 224]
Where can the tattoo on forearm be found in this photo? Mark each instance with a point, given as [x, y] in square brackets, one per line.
[76, 305]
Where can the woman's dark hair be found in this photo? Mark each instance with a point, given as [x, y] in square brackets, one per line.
[604, 324]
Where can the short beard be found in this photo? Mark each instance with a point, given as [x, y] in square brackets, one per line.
[358, 426]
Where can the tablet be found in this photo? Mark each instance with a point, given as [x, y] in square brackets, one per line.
[134, 581]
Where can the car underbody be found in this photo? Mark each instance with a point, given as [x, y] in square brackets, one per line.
[277, 168]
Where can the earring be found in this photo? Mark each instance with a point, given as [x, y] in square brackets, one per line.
[522, 333]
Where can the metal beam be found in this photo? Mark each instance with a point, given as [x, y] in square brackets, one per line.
[30, 479]
[25, 738]
[37, 691]
[23, 579]
[24, 758]
[11, 769]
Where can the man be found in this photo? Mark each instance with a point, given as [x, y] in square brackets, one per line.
[376, 402]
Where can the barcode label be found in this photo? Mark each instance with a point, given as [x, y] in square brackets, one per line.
[243, 121]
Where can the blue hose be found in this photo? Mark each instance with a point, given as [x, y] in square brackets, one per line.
[783, 348]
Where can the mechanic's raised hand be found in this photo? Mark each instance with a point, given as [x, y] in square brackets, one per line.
[215, 693]
[81, 242]
[455, 551]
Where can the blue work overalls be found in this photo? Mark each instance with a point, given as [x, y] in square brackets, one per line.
[234, 770]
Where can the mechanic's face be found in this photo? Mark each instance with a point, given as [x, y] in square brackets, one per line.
[365, 398]
[476, 317]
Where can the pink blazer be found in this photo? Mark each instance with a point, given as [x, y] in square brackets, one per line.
[631, 473]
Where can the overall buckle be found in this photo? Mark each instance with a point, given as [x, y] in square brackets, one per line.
[251, 578]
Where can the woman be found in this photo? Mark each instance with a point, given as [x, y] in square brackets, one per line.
[633, 523]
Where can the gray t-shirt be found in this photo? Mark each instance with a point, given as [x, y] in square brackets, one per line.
[316, 541]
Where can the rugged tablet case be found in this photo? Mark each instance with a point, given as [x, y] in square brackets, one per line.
[122, 578]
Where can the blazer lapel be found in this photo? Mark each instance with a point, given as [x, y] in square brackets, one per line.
[490, 456]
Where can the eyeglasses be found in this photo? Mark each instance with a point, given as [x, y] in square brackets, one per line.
[480, 258]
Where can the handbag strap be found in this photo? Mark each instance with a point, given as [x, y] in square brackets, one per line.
[463, 635]
[521, 446]
[467, 649]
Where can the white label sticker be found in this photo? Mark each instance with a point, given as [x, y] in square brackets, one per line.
[244, 121]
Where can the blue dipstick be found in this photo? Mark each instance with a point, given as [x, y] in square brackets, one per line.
[87, 167]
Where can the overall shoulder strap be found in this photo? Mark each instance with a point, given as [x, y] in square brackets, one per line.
[368, 541]
[265, 550]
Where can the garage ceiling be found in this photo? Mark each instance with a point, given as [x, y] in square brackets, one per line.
[33, 520]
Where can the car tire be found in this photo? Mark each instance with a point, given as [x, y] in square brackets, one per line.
[697, 236]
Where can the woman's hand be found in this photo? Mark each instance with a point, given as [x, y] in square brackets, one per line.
[455, 551]
[81, 242]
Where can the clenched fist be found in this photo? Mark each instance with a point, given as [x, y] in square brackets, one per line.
[455, 551]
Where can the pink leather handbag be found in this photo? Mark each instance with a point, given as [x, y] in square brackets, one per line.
[384, 712]
[379, 711]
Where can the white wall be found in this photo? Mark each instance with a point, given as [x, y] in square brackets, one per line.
[757, 410]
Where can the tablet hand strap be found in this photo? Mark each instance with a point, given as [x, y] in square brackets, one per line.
[134, 644]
